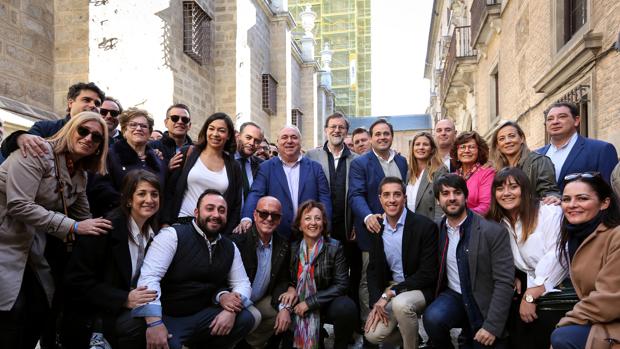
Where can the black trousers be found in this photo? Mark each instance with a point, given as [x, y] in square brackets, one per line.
[123, 331]
[353, 256]
[22, 326]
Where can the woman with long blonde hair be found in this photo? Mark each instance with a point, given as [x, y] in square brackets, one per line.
[425, 165]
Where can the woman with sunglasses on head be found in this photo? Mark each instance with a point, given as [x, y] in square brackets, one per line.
[472, 153]
[424, 166]
[320, 278]
[509, 149]
[534, 230]
[130, 153]
[103, 272]
[41, 196]
[210, 164]
[590, 245]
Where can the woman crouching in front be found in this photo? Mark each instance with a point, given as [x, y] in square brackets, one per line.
[103, 272]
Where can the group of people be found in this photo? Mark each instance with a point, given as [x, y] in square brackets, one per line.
[111, 237]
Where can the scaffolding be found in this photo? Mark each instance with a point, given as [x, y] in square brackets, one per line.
[345, 26]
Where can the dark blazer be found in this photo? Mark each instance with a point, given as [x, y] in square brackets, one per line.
[104, 191]
[491, 270]
[425, 202]
[177, 184]
[419, 258]
[364, 178]
[43, 128]
[320, 155]
[271, 180]
[587, 155]
[331, 273]
[279, 279]
[168, 146]
[255, 162]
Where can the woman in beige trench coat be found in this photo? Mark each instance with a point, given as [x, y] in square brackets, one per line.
[31, 206]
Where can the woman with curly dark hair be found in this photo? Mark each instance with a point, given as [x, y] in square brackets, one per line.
[209, 164]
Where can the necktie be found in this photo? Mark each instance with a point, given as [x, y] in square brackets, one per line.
[140, 260]
[244, 174]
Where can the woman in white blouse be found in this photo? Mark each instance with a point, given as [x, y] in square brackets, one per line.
[534, 229]
[425, 165]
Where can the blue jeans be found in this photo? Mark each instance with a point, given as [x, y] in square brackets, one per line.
[570, 337]
[194, 329]
[445, 313]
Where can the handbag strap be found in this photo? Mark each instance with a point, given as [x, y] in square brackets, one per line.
[187, 154]
[61, 190]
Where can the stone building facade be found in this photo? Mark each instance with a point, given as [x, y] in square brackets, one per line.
[494, 60]
[236, 57]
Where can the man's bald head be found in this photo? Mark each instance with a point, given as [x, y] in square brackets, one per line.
[445, 133]
[289, 143]
[267, 216]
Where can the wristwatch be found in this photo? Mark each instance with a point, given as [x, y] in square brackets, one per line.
[529, 298]
[385, 297]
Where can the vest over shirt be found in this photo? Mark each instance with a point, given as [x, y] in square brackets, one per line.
[195, 276]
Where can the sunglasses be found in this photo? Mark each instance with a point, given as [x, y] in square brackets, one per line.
[265, 214]
[104, 112]
[175, 119]
[573, 176]
[95, 136]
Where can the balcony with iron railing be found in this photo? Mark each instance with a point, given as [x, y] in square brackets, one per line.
[481, 11]
[459, 52]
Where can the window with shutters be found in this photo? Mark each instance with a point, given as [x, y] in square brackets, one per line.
[196, 32]
[270, 97]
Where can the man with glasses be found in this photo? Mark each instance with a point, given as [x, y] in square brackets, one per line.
[265, 257]
[110, 110]
[178, 122]
[335, 159]
[569, 151]
[81, 97]
[248, 140]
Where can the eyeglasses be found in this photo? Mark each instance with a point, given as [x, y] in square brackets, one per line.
[135, 125]
[273, 153]
[467, 147]
[336, 127]
[104, 112]
[175, 119]
[573, 176]
[265, 215]
[96, 137]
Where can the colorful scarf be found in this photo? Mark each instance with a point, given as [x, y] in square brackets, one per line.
[307, 328]
[469, 173]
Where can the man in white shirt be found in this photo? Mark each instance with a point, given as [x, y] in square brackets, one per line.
[445, 135]
[476, 273]
[192, 267]
[569, 151]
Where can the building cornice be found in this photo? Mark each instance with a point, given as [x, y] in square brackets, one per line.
[432, 37]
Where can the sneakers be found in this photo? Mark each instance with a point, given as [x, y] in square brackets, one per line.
[98, 342]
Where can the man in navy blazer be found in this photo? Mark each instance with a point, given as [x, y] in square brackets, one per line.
[365, 174]
[569, 151]
[291, 178]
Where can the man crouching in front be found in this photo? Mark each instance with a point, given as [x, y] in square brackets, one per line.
[192, 267]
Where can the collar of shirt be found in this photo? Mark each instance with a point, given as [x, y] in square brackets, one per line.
[211, 244]
[135, 231]
[342, 153]
[400, 223]
[390, 158]
[261, 245]
[290, 165]
[569, 144]
[116, 133]
[458, 226]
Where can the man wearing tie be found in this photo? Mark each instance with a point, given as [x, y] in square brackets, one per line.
[248, 140]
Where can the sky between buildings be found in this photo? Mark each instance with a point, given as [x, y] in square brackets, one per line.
[399, 34]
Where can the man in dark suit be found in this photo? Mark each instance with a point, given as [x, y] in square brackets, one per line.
[569, 151]
[402, 273]
[366, 173]
[266, 258]
[178, 122]
[81, 97]
[476, 272]
[110, 110]
[248, 140]
[289, 177]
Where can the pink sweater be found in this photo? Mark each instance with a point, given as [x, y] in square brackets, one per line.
[479, 187]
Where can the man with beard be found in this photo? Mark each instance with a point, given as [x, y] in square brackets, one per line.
[110, 110]
[476, 273]
[445, 135]
[192, 267]
[266, 258]
[248, 140]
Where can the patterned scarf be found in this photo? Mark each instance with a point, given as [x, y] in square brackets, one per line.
[469, 173]
[307, 328]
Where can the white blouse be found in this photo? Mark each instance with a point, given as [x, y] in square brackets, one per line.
[537, 256]
[412, 192]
